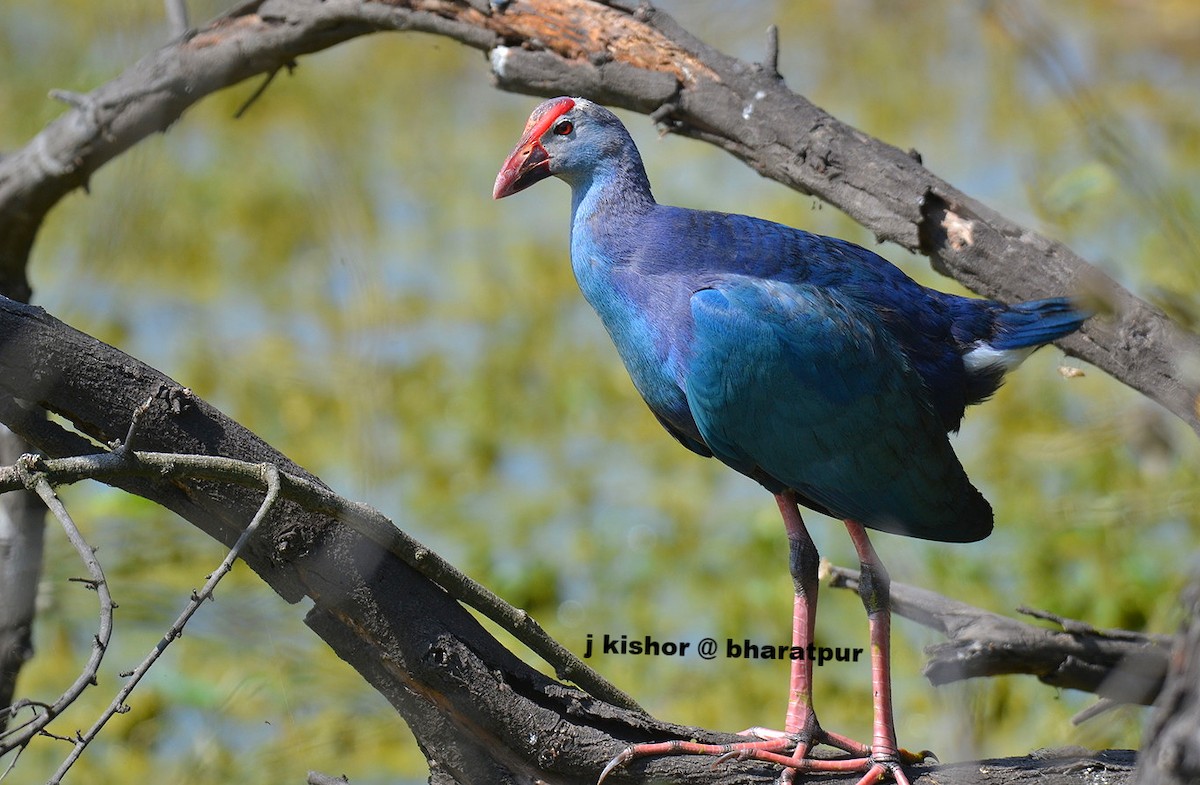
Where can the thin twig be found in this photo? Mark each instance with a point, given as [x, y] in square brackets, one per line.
[362, 518]
[36, 480]
[135, 421]
[12, 764]
[771, 60]
[269, 475]
[177, 17]
[15, 709]
[1077, 627]
[319, 778]
[262, 88]
[1095, 710]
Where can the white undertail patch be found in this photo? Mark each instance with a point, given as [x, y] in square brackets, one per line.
[985, 357]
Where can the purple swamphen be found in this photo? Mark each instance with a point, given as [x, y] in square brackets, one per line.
[807, 363]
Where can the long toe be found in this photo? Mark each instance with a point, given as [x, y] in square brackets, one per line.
[788, 751]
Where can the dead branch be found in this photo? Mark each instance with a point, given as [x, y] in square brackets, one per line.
[18, 737]
[317, 778]
[314, 497]
[1118, 665]
[22, 534]
[177, 16]
[1171, 747]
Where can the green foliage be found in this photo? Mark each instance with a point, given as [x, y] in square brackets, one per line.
[331, 271]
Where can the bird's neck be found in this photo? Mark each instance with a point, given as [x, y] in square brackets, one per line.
[618, 187]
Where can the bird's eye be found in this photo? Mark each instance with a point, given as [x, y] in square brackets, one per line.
[564, 127]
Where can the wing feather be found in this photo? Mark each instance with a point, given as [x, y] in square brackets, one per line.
[804, 385]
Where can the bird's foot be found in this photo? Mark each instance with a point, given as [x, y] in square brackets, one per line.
[790, 751]
[818, 735]
[881, 770]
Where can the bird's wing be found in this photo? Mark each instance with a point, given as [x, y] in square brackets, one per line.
[805, 385]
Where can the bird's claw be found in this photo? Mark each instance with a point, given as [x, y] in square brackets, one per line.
[883, 767]
[623, 757]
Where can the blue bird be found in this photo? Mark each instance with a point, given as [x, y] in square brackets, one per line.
[807, 363]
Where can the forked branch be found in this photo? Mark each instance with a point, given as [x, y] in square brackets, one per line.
[28, 475]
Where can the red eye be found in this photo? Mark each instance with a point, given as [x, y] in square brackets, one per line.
[563, 127]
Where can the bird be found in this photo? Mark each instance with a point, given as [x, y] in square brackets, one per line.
[807, 363]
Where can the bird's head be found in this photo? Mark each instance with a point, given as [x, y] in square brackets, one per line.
[564, 137]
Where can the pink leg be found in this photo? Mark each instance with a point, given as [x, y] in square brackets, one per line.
[804, 564]
[874, 586]
[789, 748]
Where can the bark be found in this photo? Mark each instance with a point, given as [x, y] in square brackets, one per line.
[22, 534]
[639, 59]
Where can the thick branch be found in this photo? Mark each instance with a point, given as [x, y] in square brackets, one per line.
[639, 59]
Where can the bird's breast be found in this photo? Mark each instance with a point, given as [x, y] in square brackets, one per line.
[649, 324]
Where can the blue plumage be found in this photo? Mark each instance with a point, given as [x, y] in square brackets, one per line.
[1035, 323]
[803, 361]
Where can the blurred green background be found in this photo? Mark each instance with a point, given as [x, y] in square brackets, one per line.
[331, 271]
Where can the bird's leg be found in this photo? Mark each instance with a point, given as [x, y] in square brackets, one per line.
[804, 564]
[801, 723]
[874, 587]
[788, 748]
[883, 759]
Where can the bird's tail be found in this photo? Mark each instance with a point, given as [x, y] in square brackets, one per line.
[1036, 322]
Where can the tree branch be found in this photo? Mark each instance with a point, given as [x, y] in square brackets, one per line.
[22, 532]
[1171, 744]
[640, 59]
[1117, 665]
[123, 463]
[177, 16]
[33, 480]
